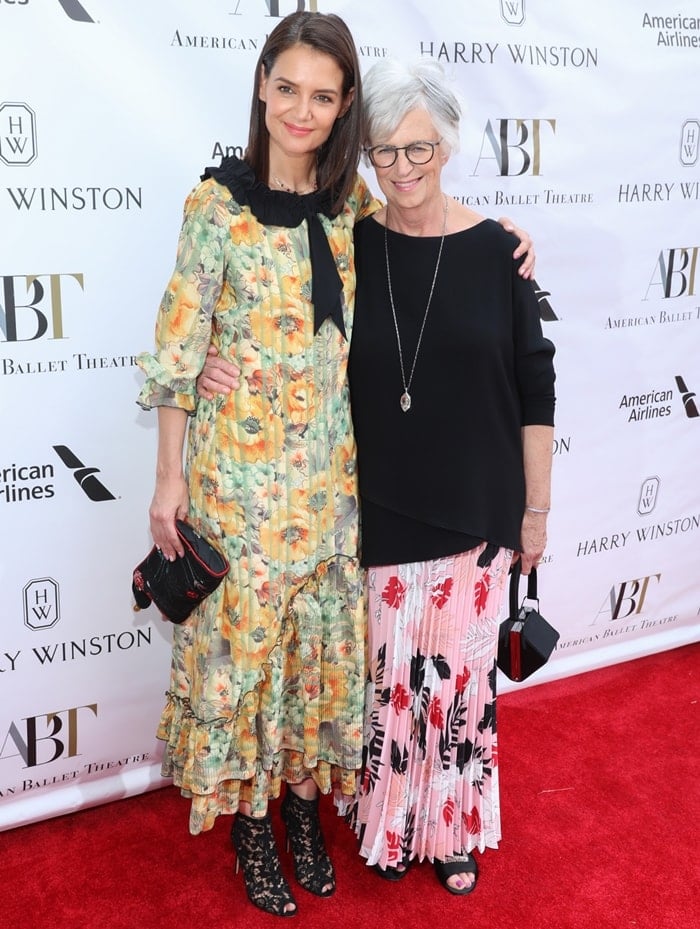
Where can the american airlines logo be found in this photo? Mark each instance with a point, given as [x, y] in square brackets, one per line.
[76, 11]
[85, 476]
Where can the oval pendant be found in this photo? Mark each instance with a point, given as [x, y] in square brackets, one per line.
[405, 401]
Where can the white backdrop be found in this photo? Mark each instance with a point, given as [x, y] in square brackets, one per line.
[579, 123]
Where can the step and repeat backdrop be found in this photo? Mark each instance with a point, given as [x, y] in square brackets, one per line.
[580, 123]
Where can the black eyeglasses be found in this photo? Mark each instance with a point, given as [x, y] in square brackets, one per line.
[418, 153]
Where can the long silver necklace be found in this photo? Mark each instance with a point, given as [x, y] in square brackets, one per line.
[405, 400]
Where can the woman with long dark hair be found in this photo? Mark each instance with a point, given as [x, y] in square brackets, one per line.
[267, 675]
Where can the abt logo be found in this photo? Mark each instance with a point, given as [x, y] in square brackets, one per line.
[674, 273]
[273, 7]
[627, 599]
[36, 738]
[42, 312]
[515, 145]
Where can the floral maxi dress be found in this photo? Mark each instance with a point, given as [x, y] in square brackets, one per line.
[267, 675]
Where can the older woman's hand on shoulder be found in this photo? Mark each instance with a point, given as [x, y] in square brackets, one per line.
[526, 247]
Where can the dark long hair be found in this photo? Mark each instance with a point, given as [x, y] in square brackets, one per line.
[338, 157]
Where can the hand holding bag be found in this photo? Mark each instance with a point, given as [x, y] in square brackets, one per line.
[525, 640]
[177, 587]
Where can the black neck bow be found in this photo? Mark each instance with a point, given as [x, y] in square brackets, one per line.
[279, 208]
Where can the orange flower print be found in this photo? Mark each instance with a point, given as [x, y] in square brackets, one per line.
[299, 400]
[240, 231]
[281, 244]
[254, 380]
[290, 533]
[394, 592]
[441, 592]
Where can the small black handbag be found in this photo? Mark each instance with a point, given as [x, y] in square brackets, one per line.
[525, 640]
[177, 587]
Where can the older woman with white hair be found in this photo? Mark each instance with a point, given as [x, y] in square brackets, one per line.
[452, 389]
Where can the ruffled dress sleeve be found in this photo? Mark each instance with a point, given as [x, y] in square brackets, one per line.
[363, 200]
[184, 321]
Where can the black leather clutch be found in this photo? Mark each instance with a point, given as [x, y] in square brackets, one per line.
[177, 587]
[525, 640]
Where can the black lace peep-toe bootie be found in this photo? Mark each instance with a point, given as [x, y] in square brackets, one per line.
[313, 867]
[257, 853]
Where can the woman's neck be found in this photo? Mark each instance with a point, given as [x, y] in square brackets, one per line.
[427, 220]
[293, 175]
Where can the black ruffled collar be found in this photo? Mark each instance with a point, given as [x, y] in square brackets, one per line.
[279, 208]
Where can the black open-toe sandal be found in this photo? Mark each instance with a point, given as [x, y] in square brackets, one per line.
[391, 873]
[457, 864]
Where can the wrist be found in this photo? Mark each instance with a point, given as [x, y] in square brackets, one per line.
[166, 473]
[539, 510]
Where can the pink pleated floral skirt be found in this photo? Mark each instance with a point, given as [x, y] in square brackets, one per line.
[429, 782]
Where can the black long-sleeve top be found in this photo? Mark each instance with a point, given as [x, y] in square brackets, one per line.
[448, 473]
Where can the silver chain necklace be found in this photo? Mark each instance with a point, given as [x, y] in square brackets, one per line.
[405, 396]
[309, 189]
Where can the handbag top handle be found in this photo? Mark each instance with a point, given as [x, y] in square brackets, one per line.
[515, 583]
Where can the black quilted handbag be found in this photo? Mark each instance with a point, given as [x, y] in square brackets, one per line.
[177, 587]
[525, 640]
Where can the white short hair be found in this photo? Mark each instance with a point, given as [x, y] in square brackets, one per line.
[391, 89]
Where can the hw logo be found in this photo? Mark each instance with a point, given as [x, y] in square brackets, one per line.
[41, 604]
[17, 134]
[627, 598]
[674, 272]
[91, 486]
[515, 145]
[648, 495]
[690, 136]
[513, 11]
[44, 306]
[76, 11]
[688, 398]
[36, 738]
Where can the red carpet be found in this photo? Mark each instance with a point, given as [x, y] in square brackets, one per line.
[600, 781]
